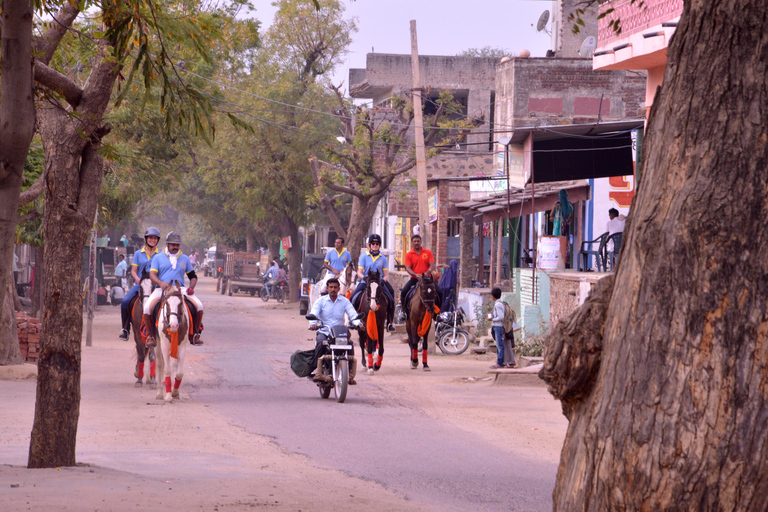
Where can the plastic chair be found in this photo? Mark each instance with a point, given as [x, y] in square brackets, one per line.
[587, 249]
[612, 257]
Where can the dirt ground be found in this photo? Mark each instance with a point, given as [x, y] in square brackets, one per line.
[183, 456]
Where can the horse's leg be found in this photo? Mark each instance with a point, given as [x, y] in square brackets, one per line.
[152, 370]
[425, 349]
[380, 343]
[158, 350]
[363, 340]
[180, 362]
[371, 351]
[140, 349]
[165, 353]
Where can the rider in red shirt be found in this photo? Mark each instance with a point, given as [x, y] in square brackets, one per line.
[417, 261]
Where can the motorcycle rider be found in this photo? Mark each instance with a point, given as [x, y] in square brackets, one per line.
[139, 268]
[372, 259]
[270, 278]
[171, 265]
[330, 309]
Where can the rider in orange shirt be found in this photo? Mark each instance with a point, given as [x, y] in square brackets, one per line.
[417, 261]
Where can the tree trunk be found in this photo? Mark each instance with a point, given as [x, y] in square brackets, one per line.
[666, 396]
[17, 125]
[74, 171]
[359, 222]
[250, 241]
[9, 336]
[274, 250]
[294, 261]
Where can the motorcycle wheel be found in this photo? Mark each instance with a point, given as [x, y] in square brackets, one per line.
[279, 294]
[453, 344]
[342, 381]
[263, 294]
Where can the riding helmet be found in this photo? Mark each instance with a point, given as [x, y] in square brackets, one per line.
[374, 238]
[173, 238]
[151, 232]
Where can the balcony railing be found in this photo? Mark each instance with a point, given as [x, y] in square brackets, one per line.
[633, 18]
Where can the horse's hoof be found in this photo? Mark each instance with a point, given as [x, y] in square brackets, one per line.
[414, 364]
[370, 371]
[138, 383]
[175, 393]
[427, 368]
[159, 396]
[376, 367]
[168, 398]
[152, 382]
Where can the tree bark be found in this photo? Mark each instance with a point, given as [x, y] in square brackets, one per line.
[73, 178]
[10, 353]
[671, 413]
[17, 125]
[294, 261]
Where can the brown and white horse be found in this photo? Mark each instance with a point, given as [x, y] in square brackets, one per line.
[347, 280]
[373, 304]
[173, 326]
[422, 309]
[145, 290]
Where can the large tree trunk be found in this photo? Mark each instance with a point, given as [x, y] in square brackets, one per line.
[359, 221]
[294, 261]
[667, 396]
[17, 125]
[74, 171]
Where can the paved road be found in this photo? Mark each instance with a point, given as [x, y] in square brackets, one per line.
[380, 433]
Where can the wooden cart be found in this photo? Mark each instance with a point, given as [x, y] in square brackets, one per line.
[242, 273]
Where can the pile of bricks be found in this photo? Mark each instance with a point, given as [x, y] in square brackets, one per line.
[29, 336]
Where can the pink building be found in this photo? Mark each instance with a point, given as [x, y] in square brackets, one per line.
[646, 28]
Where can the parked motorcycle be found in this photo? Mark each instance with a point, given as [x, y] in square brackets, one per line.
[449, 335]
[336, 364]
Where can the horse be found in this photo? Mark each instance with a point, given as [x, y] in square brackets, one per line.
[173, 327]
[347, 280]
[373, 304]
[422, 307]
[145, 290]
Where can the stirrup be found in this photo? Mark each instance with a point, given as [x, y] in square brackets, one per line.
[196, 339]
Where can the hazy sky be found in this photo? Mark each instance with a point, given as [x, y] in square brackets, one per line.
[445, 27]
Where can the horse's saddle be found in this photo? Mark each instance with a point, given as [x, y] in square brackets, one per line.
[190, 306]
[407, 304]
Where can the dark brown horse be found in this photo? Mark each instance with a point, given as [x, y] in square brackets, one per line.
[373, 304]
[422, 309]
[145, 290]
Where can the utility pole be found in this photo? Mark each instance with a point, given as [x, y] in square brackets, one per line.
[421, 155]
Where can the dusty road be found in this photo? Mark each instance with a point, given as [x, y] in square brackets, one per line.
[248, 434]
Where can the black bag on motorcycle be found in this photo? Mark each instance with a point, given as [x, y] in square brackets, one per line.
[303, 362]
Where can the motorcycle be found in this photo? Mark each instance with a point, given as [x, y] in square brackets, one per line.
[335, 364]
[280, 291]
[449, 335]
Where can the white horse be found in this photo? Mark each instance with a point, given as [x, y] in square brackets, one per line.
[173, 329]
[347, 280]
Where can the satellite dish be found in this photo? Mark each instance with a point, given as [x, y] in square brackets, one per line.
[587, 46]
[543, 20]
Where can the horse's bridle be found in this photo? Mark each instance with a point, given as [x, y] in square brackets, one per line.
[167, 313]
[428, 303]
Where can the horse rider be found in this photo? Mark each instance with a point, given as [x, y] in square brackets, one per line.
[337, 259]
[270, 278]
[374, 260]
[171, 265]
[418, 260]
[330, 309]
[139, 268]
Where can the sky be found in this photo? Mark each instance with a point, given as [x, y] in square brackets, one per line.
[444, 27]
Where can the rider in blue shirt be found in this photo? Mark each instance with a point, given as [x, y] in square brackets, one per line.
[171, 265]
[139, 270]
[337, 258]
[374, 260]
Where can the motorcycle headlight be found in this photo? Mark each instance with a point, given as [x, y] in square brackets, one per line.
[445, 317]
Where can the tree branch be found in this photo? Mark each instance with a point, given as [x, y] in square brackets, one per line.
[55, 81]
[45, 45]
[29, 216]
[325, 201]
[32, 192]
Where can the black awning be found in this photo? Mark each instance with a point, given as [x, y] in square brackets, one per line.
[582, 157]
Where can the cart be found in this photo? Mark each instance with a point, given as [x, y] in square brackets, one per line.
[242, 273]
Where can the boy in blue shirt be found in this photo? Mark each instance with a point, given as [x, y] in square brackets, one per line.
[171, 265]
